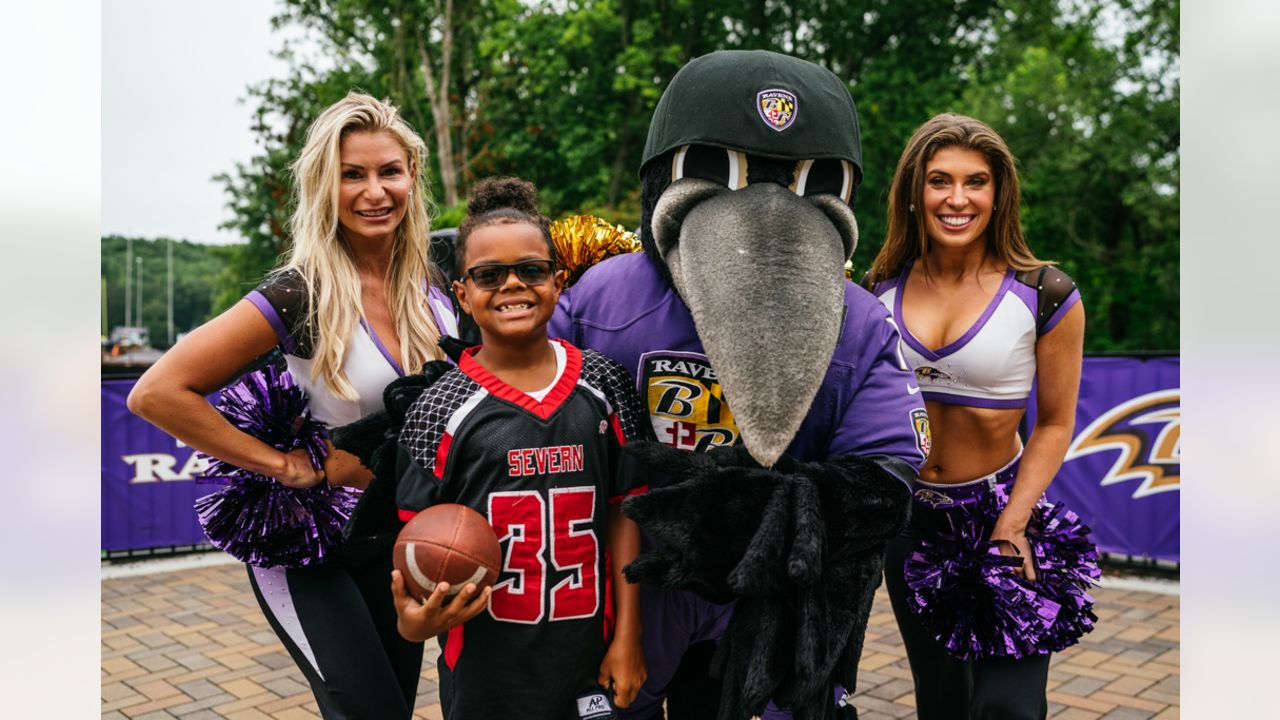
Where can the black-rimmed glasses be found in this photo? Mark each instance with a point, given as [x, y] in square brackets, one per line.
[529, 272]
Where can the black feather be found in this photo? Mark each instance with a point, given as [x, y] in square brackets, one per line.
[655, 178]
[799, 546]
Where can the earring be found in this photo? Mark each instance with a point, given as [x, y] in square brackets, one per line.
[911, 207]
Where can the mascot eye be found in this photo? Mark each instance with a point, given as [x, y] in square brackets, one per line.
[828, 176]
[718, 165]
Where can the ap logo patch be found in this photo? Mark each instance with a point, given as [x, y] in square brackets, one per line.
[685, 401]
[595, 705]
[777, 108]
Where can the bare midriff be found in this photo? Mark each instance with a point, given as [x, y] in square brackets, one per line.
[969, 442]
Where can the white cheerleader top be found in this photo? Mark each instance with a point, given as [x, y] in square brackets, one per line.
[367, 363]
[994, 363]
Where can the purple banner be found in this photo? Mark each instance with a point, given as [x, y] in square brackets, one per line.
[1123, 469]
[148, 480]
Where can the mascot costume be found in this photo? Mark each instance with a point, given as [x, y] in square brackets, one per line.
[788, 426]
[747, 341]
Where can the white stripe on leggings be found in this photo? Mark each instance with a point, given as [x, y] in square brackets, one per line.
[275, 590]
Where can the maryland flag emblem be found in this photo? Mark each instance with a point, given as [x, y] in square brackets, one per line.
[777, 108]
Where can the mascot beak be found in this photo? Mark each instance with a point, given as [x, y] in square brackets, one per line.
[761, 270]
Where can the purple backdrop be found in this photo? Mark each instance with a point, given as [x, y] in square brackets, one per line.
[147, 480]
[1123, 469]
[1121, 475]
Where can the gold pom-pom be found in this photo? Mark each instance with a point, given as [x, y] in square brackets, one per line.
[584, 240]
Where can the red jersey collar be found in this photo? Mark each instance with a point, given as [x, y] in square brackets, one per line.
[554, 399]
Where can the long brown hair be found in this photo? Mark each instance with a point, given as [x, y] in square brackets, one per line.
[907, 239]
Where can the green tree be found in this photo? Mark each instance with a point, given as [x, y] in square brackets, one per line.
[561, 93]
[1089, 104]
[196, 268]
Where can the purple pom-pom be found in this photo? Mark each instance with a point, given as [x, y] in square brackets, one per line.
[254, 518]
[967, 595]
[1067, 565]
[268, 405]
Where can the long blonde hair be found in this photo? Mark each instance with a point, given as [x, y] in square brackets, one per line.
[907, 238]
[322, 256]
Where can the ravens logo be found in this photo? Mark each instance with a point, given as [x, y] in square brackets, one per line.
[1147, 431]
[924, 373]
[932, 498]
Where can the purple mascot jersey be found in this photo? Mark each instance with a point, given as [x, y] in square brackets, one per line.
[868, 405]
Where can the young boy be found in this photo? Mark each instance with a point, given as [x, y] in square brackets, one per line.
[527, 431]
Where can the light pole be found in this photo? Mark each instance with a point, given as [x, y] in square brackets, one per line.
[170, 315]
[128, 287]
[138, 314]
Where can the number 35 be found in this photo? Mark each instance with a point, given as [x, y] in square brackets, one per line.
[520, 520]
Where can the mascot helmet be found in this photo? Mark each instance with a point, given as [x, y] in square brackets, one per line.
[791, 109]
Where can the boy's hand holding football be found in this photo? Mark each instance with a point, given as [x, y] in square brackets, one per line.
[418, 621]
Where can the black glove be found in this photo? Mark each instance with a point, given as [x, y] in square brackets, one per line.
[702, 517]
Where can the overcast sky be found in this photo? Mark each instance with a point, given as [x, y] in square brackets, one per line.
[173, 74]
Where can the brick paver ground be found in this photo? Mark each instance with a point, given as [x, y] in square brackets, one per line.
[192, 644]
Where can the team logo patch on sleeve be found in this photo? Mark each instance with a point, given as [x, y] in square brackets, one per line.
[777, 108]
[685, 401]
[920, 424]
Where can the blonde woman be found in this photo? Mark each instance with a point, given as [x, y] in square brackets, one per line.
[981, 318]
[357, 305]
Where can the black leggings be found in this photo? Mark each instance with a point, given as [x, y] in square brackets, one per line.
[339, 625]
[951, 689]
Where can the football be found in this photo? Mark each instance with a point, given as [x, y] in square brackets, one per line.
[447, 543]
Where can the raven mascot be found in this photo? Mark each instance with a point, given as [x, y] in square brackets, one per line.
[747, 342]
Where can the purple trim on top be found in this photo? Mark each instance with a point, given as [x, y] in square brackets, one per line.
[1061, 312]
[381, 348]
[1028, 295]
[963, 339]
[268, 311]
[948, 399]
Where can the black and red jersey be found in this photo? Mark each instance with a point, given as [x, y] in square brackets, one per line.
[543, 473]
